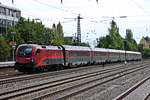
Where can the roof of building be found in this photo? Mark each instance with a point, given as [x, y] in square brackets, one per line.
[143, 41]
[147, 38]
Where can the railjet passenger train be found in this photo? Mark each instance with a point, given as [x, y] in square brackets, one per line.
[34, 57]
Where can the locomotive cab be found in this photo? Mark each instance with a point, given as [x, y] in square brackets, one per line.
[25, 58]
[32, 57]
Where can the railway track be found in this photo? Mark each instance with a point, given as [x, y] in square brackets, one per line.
[66, 87]
[11, 79]
[86, 85]
[139, 91]
[9, 72]
[147, 97]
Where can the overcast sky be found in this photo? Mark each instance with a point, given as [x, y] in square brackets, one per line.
[94, 14]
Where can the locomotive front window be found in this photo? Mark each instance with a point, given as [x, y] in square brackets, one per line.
[25, 51]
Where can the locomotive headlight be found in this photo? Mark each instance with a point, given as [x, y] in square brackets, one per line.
[32, 60]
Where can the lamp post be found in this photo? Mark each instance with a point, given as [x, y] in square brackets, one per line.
[6, 25]
[13, 45]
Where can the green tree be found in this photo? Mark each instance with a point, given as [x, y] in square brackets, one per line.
[146, 53]
[5, 49]
[55, 35]
[58, 34]
[37, 32]
[116, 40]
[31, 31]
[113, 39]
[13, 36]
[22, 29]
[130, 42]
[69, 41]
[49, 36]
[28, 31]
[104, 42]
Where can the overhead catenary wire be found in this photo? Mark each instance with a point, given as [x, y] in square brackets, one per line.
[68, 11]
[62, 1]
[55, 7]
[140, 7]
[71, 12]
[61, 9]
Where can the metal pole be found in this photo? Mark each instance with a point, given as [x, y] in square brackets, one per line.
[13, 46]
[13, 50]
[125, 46]
[6, 25]
[78, 29]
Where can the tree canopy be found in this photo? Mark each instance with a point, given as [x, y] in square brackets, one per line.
[5, 49]
[130, 42]
[113, 40]
[58, 34]
[35, 32]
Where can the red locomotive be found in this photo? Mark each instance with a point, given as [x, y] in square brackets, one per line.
[34, 57]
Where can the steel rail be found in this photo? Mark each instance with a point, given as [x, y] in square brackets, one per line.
[63, 97]
[130, 90]
[66, 81]
[54, 81]
[34, 76]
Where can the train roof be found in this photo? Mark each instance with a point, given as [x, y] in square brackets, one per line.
[100, 49]
[133, 52]
[35, 45]
[121, 51]
[47, 47]
[52, 47]
[81, 48]
[116, 51]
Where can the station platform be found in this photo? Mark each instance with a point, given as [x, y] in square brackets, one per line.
[7, 64]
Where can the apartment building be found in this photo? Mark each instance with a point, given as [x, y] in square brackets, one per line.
[9, 16]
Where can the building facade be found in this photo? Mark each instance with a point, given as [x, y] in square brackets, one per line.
[9, 16]
[145, 42]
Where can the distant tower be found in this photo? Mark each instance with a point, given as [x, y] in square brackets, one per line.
[78, 29]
